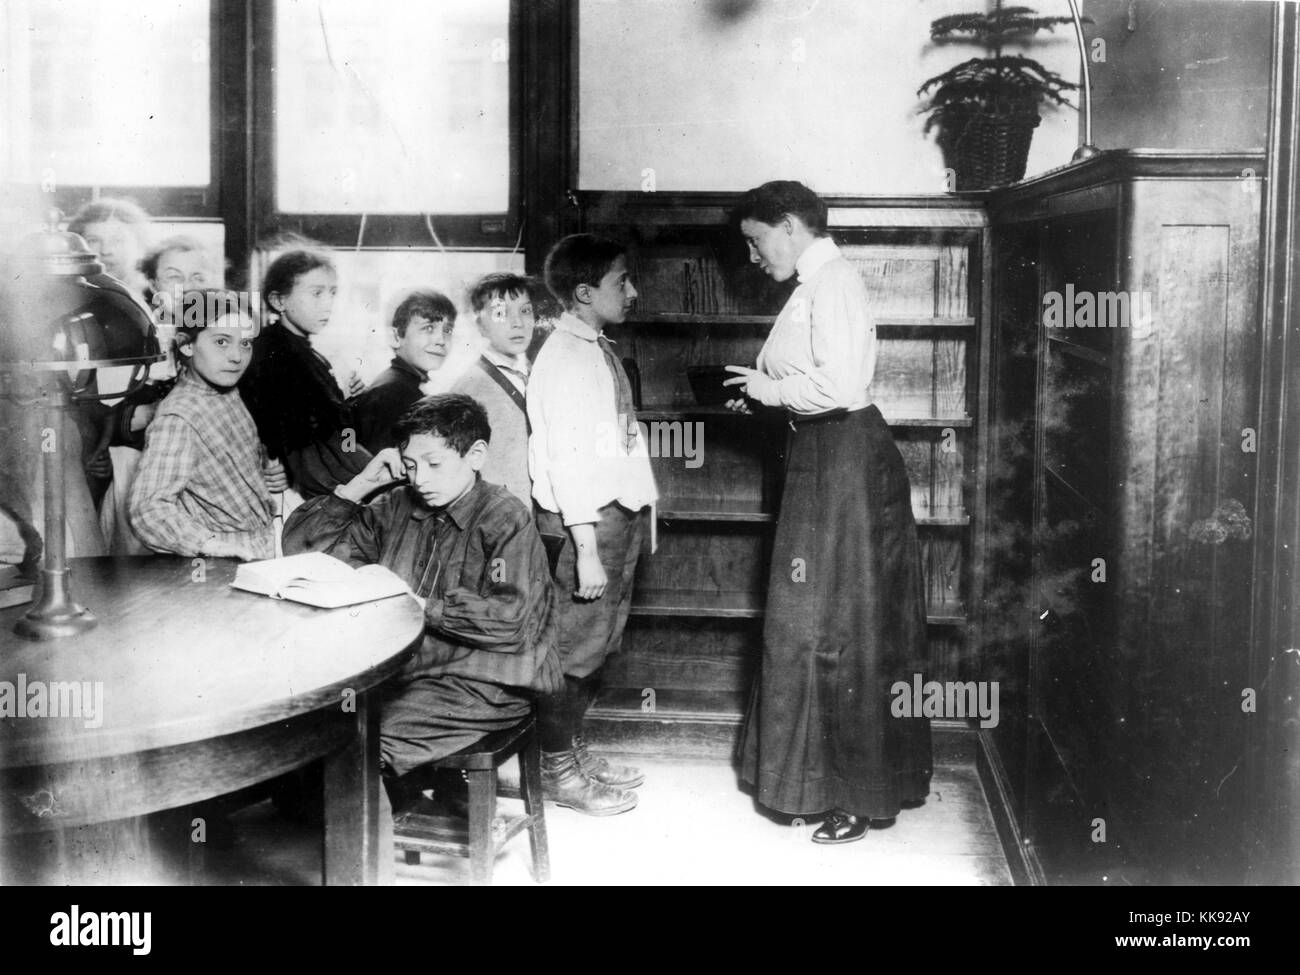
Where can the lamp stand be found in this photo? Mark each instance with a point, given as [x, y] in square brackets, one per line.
[56, 614]
[1086, 148]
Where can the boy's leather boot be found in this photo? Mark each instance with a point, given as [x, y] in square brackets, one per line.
[565, 784]
[604, 771]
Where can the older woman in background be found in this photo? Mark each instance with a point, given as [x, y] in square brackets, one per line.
[117, 231]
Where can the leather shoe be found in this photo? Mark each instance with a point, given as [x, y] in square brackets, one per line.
[565, 784]
[604, 771]
[841, 827]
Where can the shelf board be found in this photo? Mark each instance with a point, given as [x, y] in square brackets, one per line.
[738, 606]
[696, 318]
[663, 412]
[934, 519]
[670, 704]
[718, 605]
[712, 509]
[719, 510]
[660, 412]
[946, 616]
[929, 421]
[937, 321]
[714, 318]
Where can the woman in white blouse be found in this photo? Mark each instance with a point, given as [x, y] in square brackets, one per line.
[845, 612]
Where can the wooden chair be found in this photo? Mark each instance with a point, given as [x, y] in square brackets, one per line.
[484, 834]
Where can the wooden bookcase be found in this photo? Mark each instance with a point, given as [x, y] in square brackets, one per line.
[694, 636]
[1118, 583]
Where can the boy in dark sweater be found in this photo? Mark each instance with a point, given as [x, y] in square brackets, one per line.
[422, 327]
[471, 554]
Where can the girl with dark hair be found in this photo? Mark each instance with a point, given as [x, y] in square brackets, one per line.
[176, 265]
[302, 415]
[201, 488]
[845, 608]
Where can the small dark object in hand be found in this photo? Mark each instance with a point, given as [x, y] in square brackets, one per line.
[706, 385]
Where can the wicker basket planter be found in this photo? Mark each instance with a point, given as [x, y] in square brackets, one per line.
[986, 108]
[986, 149]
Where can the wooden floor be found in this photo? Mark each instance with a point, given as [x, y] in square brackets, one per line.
[693, 826]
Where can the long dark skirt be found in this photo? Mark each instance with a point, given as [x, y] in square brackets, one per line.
[845, 619]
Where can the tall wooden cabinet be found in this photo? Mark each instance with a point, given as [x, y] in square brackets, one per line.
[1121, 483]
[694, 636]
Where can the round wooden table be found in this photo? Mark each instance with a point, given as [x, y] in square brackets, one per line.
[189, 689]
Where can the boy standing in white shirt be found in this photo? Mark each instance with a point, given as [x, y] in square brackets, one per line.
[593, 484]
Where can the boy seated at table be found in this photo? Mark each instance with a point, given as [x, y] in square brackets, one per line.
[422, 327]
[471, 554]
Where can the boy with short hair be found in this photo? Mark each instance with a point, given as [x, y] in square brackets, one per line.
[470, 551]
[503, 310]
[421, 331]
[592, 483]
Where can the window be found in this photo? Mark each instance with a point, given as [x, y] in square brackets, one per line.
[387, 130]
[110, 94]
[392, 107]
[389, 123]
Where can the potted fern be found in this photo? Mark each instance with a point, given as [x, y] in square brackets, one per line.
[986, 109]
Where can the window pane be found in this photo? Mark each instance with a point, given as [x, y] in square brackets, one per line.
[392, 107]
[105, 92]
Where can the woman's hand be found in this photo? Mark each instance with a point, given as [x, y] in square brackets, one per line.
[384, 469]
[743, 379]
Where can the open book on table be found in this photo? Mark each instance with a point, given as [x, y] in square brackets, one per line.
[15, 589]
[318, 579]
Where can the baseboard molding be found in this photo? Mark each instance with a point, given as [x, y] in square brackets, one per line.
[691, 733]
[1021, 859]
[664, 733]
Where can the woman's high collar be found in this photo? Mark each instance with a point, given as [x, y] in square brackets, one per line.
[815, 256]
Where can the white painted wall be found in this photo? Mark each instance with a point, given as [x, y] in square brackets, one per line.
[726, 94]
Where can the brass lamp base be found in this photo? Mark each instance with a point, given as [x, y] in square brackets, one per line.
[56, 614]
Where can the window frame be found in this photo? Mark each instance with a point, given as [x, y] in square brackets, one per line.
[461, 231]
[171, 203]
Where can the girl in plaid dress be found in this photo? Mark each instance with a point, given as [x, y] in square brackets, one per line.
[202, 487]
